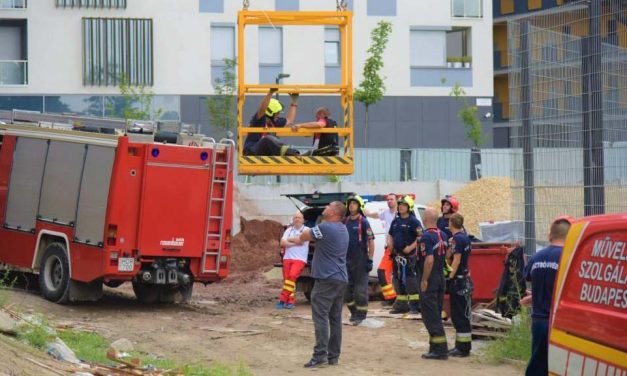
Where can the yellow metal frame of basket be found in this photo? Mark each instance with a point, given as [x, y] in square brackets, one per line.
[298, 165]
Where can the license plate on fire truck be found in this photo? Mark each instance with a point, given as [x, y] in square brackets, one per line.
[125, 264]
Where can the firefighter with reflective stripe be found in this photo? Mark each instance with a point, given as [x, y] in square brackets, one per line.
[294, 260]
[461, 286]
[402, 236]
[268, 116]
[450, 206]
[384, 271]
[358, 259]
[433, 245]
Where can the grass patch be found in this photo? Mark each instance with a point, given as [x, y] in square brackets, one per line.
[516, 345]
[88, 346]
[37, 334]
[92, 347]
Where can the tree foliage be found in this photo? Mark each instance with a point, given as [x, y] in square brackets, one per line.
[222, 103]
[371, 89]
[468, 115]
[136, 102]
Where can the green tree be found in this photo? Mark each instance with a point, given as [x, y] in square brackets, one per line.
[135, 103]
[371, 89]
[468, 115]
[221, 104]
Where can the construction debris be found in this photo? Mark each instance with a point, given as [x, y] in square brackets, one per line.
[8, 324]
[59, 350]
[487, 323]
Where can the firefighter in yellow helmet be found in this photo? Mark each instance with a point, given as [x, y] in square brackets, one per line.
[358, 258]
[403, 236]
[268, 116]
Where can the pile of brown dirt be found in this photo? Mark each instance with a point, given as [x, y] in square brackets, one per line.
[483, 200]
[256, 247]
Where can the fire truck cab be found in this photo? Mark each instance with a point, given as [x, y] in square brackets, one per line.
[86, 209]
[588, 327]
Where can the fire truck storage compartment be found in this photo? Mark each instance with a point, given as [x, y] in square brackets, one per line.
[29, 159]
[61, 182]
[92, 199]
[174, 202]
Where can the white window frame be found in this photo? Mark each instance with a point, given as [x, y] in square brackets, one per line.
[465, 14]
[231, 28]
[335, 39]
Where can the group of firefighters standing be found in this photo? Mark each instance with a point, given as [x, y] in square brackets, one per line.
[421, 262]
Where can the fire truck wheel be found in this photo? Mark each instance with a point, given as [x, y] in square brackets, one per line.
[146, 293]
[54, 273]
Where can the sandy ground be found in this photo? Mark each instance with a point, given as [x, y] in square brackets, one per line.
[235, 321]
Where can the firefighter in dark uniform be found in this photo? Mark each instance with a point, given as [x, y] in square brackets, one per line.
[358, 258]
[403, 234]
[450, 206]
[433, 245]
[460, 286]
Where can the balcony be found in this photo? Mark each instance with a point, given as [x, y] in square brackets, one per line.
[12, 4]
[13, 72]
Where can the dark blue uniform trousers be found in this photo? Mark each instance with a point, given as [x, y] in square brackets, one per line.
[539, 361]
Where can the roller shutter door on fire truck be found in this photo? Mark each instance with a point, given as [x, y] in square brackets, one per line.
[61, 182]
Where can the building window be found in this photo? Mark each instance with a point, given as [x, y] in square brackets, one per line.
[211, 6]
[467, 8]
[435, 55]
[12, 4]
[270, 54]
[332, 55]
[381, 8]
[286, 4]
[115, 49]
[458, 45]
[331, 46]
[432, 66]
[13, 52]
[91, 3]
[222, 48]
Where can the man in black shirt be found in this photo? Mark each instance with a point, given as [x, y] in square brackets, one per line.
[267, 116]
[433, 245]
[323, 143]
[450, 206]
[461, 286]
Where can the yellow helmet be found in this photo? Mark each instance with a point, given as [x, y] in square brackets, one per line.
[358, 200]
[407, 200]
[274, 107]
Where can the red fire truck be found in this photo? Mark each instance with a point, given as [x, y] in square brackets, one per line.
[86, 209]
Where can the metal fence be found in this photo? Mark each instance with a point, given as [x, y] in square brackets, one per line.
[393, 165]
[568, 98]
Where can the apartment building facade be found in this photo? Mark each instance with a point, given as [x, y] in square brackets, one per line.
[67, 56]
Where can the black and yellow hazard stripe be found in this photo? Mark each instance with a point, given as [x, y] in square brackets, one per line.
[295, 165]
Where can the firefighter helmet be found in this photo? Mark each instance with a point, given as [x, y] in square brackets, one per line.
[274, 107]
[358, 200]
[407, 200]
[452, 201]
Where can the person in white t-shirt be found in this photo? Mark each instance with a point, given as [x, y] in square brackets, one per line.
[294, 260]
[384, 271]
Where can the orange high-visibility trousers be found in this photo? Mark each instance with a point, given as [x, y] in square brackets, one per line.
[291, 272]
[384, 273]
